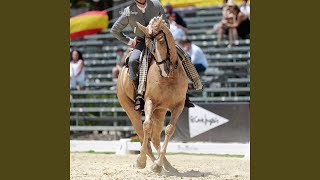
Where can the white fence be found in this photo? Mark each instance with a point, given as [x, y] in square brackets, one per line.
[124, 146]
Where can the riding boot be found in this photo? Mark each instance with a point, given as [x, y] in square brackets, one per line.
[138, 102]
[187, 102]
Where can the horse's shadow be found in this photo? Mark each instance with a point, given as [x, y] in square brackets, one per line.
[191, 173]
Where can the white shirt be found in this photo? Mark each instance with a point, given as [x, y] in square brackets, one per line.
[72, 79]
[74, 68]
[143, 9]
[197, 56]
[245, 9]
[177, 33]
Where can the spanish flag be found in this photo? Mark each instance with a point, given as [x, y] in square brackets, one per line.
[197, 3]
[88, 23]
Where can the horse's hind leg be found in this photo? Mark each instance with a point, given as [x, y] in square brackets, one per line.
[168, 133]
[135, 118]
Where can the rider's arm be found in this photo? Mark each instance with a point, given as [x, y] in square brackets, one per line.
[119, 25]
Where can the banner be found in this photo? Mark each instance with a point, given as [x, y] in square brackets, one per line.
[214, 122]
[88, 23]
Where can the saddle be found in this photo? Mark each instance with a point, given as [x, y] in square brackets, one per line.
[126, 60]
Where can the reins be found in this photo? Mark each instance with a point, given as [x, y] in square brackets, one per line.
[152, 48]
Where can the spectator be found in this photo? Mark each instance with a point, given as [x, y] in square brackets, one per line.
[120, 62]
[224, 7]
[176, 30]
[227, 17]
[234, 24]
[245, 8]
[242, 22]
[170, 11]
[96, 5]
[198, 58]
[121, 57]
[77, 71]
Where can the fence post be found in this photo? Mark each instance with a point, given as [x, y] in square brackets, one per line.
[247, 155]
[123, 147]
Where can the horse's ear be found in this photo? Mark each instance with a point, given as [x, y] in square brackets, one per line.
[159, 21]
[160, 18]
[143, 28]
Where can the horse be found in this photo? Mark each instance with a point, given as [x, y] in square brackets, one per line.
[165, 90]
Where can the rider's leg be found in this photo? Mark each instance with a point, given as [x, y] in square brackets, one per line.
[134, 72]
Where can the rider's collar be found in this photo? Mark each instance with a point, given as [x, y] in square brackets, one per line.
[142, 9]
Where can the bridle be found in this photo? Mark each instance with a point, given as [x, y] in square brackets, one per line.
[152, 49]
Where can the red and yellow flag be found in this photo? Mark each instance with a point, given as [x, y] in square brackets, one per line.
[88, 23]
[197, 3]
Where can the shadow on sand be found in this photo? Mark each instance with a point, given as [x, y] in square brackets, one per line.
[191, 173]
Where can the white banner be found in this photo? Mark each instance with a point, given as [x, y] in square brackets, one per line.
[202, 120]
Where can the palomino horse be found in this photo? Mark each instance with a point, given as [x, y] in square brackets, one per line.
[165, 91]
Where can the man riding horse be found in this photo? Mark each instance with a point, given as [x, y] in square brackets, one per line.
[143, 11]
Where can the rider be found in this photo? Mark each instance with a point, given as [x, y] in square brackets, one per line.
[141, 11]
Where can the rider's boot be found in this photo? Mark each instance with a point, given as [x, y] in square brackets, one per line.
[138, 102]
[187, 102]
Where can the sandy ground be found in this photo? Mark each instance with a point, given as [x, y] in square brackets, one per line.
[89, 166]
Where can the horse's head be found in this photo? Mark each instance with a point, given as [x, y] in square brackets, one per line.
[154, 29]
[158, 32]
[155, 32]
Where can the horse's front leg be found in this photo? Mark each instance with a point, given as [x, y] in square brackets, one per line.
[157, 165]
[147, 130]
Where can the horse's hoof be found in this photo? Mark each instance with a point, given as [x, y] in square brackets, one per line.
[156, 168]
[140, 165]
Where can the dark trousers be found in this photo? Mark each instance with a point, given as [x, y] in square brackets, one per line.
[134, 60]
[200, 68]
